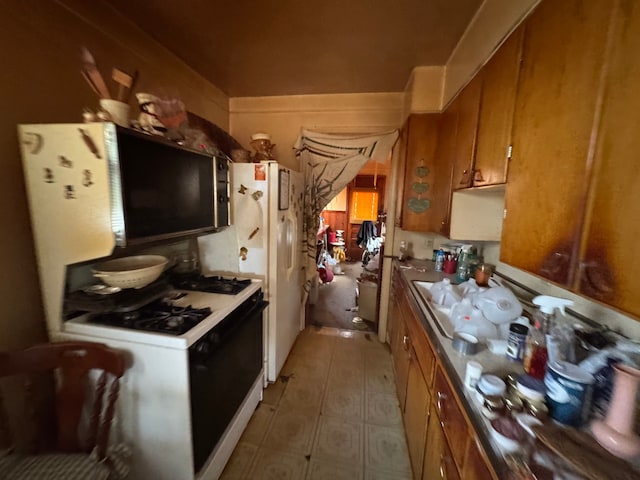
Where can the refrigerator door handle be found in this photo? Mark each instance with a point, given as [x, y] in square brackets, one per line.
[290, 232]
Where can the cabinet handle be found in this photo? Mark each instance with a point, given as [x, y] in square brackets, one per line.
[477, 176]
[405, 342]
[464, 180]
[441, 396]
[556, 265]
[596, 280]
[443, 469]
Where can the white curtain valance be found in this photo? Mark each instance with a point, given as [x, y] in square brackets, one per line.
[329, 163]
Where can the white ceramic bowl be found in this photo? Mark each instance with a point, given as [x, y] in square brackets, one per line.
[131, 272]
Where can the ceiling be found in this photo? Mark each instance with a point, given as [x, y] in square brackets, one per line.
[295, 47]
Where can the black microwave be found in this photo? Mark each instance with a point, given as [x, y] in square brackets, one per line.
[161, 190]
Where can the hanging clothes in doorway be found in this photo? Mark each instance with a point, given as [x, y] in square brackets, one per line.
[329, 163]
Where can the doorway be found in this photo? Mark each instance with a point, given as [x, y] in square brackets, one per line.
[349, 288]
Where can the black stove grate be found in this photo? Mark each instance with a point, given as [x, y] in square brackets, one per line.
[216, 284]
[155, 317]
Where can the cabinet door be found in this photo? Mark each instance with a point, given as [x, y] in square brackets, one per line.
[438, 462]
[419, 342]
[416, 415]
[500, 83]
[475, 467]
[419, 174]
[613, 226]
[451, 419]
[563, 55]
[445, 155]
[400, 354]
[400, 156]
[466, 107]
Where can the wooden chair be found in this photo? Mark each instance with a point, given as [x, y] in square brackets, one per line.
[69, 436]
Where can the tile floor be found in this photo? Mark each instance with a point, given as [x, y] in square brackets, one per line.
[332, 415]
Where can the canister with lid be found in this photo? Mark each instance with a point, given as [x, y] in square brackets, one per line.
[516, 341]
[493, 406]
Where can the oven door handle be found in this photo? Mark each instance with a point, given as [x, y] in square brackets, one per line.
[259, 307]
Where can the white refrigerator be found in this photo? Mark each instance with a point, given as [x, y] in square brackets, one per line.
[265, 241]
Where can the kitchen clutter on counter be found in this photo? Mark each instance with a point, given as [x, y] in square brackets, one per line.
[563, 373]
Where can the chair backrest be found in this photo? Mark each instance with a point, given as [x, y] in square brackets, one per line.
[76, 391]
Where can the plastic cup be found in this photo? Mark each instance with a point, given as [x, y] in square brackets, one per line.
[450, 266]
[472, 374]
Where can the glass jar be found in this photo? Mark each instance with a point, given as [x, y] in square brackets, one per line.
[483, 273]
[493, 407]
[513, 404]
[537, 409]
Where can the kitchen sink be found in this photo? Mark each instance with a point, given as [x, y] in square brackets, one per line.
[438, 313]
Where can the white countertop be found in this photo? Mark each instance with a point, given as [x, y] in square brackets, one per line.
[221, 305]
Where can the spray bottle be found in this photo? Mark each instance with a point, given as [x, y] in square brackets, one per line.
[548, 340]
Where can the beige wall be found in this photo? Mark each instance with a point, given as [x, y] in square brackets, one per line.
[492, 24]
[423, 93]
[40, 82]
[283, 117]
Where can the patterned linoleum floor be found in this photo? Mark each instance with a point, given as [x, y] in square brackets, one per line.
[333, 415]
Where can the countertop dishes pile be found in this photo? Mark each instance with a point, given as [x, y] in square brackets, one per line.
[483, 336]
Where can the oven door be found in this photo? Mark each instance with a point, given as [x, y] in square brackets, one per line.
[223, 366]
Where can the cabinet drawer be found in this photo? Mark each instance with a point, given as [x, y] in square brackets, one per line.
[451, 419]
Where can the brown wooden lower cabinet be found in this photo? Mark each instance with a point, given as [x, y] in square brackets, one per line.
[438, 461]
[400, 352]
[416, 414]
[475, 467]
[451, 418]
[441, 442]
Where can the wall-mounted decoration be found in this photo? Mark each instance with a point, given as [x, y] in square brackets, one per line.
[417, 204]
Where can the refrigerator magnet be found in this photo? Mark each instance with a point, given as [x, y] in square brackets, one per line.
[283, 189]
[260, 172]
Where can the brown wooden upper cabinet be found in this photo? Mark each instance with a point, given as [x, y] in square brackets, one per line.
[571, 201]
[500, 82]
[609, 263]
[420, 180]
[466, 108]
[444, 165]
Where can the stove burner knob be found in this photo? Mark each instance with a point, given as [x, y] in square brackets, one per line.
[203, 348]
[214, 338]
